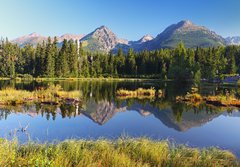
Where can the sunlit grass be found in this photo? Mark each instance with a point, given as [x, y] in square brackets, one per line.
[123, 152]
[53, 93]
[138, 93]
[10, 96]
[216, 100]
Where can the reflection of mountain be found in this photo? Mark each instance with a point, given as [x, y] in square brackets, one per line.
[234, 113]
[142, 110]
[102, 111]
[188, 119]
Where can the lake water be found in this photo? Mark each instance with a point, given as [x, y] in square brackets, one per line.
[103, 115]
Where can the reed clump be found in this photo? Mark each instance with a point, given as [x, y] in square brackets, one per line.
[52, 94]
[195, 98]
[192, 98]
[224, 101]
[139, 93]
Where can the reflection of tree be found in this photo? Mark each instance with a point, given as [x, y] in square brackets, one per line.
[102, 94]
[49, 110]
[68, 110]
[178, 110]
[4, 114]
[98, 90]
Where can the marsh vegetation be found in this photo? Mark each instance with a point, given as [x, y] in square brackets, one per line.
[53, 94]
[122, 152]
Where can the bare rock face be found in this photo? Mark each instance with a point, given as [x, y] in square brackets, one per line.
[35, 38]
[102, 39]
[233, 40]
[32, 38]
[102, 111]
[70, 37]
[146, 38]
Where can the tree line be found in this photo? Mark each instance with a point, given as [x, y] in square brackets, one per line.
[47, 59]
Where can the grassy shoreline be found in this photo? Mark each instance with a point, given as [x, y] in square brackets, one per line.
[85, 79]
[122, 152]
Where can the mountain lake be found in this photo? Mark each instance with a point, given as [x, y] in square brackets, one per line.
[101, 114]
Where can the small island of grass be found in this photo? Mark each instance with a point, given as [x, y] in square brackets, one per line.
[195, 98]
[53, 94]
[139, 93]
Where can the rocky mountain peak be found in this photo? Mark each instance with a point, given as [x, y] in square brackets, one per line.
[146, 38]
[34, 34]
[103, 30]
[233, 40]
[103, 27]
[186, 23]
[102, 39]
[70, 37]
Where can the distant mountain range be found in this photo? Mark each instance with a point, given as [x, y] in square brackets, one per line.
[35, 38]
[233, 40]
[104, 40]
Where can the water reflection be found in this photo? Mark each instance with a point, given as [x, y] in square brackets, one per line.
[47, 111]
[100, 103]
[102, 114]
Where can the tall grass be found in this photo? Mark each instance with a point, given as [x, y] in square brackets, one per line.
[10, 96]
[123, 152]
[138, 93]
[53, 93]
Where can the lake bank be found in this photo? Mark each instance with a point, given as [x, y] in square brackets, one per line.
[84, 79]
[122, 152]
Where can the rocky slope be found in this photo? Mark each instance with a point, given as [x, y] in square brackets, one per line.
[35, 38]
[32, 38]
[233, 40]
[101, 39]
[192, 35]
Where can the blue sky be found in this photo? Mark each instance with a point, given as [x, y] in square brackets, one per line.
[129, 19]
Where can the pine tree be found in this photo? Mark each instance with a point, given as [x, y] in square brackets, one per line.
[62, 69]
[50, 60]
[85, 67]
[73, 59]
[28, 53]
[111, 64]
[231, 62]
[179, 66]
[131, 63]
[120, 62]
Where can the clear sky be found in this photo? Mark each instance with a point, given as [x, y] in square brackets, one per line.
[129, 19]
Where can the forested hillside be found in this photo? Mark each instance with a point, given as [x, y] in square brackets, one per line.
[48, 60]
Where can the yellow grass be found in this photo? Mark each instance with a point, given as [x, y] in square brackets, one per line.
[53, 93]
[218, 100]
[123, 152]
[138, 93]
